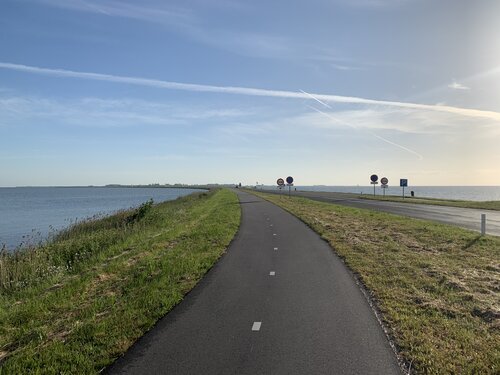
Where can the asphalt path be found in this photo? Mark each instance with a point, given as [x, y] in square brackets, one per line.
[278, 302]
[468, 218]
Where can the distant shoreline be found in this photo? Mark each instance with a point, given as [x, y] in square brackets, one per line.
[115, 186]
[202, 186]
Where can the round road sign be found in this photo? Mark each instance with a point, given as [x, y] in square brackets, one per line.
[384, 181]
[374, 178]
[289, 180]
[280, 182]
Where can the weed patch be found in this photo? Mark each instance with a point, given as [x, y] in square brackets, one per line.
[78, 302]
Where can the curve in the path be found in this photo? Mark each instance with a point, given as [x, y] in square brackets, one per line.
[279, 302]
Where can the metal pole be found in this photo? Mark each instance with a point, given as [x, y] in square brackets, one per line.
[373, 189]
[483, 224]
[403, 192]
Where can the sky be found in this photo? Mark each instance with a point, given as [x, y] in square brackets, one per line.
[227, 91]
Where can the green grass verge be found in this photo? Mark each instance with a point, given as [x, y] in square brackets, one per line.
[437, 286]
[486, 205]
[77, 303]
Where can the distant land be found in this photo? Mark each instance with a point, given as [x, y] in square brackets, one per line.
[155, 185]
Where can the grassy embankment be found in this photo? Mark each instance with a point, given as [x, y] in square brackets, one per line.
[75, 304]
[486, 205]
[437, 286]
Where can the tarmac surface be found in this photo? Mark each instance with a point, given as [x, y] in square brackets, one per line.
[278, 302]
[468, 218]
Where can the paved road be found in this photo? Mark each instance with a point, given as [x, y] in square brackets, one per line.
[468, 218]
[279, 302]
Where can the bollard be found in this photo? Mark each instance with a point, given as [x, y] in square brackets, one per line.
[483, 224]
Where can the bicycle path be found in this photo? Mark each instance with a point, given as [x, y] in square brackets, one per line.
[278, 302]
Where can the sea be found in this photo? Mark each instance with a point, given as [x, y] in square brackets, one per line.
[29, 214]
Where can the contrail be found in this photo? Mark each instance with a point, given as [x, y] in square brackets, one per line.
[313, 97]
[369, 132]
[246, 90]
[420, 157]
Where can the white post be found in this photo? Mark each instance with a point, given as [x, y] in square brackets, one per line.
[483, 224]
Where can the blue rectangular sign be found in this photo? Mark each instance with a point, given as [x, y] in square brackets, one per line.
[403, 182]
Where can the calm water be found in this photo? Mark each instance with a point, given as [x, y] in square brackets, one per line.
[30, 213]
[470, 193]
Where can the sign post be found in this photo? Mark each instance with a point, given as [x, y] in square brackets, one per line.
[280, 183]
[289, 182]
[384, 181]
[403, 182]
[374, 181]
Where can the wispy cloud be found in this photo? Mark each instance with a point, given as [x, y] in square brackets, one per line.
[185, 22]
[247, 91]
[458, 86]
[408, 124]
[323, 55]
[345, 67]
[372, 3]
[107, 112]
[383, 139]
[188, 22]
[166, 15]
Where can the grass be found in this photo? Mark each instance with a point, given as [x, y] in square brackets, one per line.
[486, 205]
[78, 302]
[437, 286]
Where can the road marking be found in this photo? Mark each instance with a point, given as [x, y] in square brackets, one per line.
[274, 234]
[272, 273]
[271, 225]
[275, 248]
[256, 326]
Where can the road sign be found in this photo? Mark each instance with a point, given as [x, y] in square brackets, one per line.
[289, 180]
[384, 186]
[280, 182]
[384, 180]
[374, 181]
[403, 182]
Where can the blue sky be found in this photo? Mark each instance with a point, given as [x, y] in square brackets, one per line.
[328, 91]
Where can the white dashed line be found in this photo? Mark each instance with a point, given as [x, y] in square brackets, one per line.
[275, 248]
[256, 326]
[271, 225]
[274, 234]
[272, 273]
